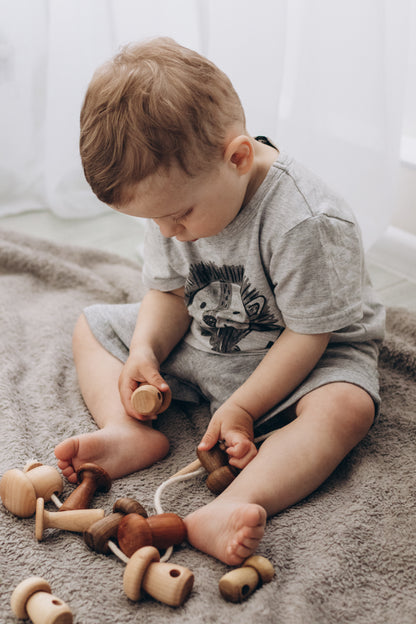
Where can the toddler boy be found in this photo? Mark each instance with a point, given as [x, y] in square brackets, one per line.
[258, 298]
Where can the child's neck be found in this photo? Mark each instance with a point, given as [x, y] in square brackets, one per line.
[264, 157]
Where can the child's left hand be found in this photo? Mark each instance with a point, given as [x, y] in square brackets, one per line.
[235, 427]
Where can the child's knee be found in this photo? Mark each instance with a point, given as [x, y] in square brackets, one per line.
[357, 410]
[347, 406]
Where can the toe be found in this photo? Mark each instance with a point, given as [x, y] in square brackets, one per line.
[67, 449]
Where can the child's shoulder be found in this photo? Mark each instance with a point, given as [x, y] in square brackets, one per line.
[301, 194]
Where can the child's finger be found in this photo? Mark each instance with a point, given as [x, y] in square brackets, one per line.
[153, 377]
[126, 389]
[242, 462]
[241, 449]
[210, 437]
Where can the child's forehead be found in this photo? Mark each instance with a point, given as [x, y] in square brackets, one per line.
[160, 195]
[172, 186]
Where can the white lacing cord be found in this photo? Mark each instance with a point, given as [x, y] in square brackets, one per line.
[161, 489]
[184, 477]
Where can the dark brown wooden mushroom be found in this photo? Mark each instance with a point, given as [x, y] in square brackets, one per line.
[160, 531]
[92, 479]
[97, 536]
[215, 462]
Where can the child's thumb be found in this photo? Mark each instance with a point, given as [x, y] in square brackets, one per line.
[210, 437]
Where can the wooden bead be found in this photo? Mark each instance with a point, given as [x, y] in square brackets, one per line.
[32, 599]
[147, 400]
[20, 489]
[215, 462]
[77, 520]
[166, 582]
[160, 531]
[91, 478]
[98, 534]
[240, 583]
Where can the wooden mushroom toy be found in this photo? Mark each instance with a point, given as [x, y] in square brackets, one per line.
[166, 582]
[240, 583]
[160, 531]
[147, 399]
[91, 478]
[97, 536]
[32, 599]
[19, 489]
[215, 462]
[76, 520]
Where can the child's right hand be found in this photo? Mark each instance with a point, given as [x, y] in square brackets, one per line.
[140, 368]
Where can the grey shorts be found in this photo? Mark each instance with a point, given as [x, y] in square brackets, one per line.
[194, 375]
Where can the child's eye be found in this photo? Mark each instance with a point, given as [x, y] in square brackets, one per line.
[184, 215]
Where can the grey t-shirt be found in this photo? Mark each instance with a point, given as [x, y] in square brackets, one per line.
[292, 257]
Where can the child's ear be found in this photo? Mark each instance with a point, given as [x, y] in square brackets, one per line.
[239, 152]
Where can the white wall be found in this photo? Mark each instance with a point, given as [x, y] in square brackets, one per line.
[404, 216]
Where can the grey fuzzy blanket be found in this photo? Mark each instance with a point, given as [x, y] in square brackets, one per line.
[345, 554]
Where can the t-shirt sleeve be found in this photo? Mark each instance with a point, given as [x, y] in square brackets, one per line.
[163, 268]
[318, 273]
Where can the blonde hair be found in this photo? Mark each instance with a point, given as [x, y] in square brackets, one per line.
[153, 105]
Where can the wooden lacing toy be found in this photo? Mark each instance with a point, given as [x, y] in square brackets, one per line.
[76, 520]
[168, 583]
[147, 400]
[19, 489]
[145, 572]
[99, 535]
[240, 583]
[214, 461]
[161, 531]
[91, 479]
[33, 599]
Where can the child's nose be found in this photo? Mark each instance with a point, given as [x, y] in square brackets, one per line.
[168, 229]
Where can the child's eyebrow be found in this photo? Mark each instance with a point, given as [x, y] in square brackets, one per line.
[177, 213]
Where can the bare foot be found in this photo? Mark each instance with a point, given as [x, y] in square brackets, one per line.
[119, 449]
[227, 530]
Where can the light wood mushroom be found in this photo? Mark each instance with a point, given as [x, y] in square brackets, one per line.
[33, 599]
[166, 582]
[76, 520]
[91, 479]
[240, 583]
[19, 489]
[147, 400]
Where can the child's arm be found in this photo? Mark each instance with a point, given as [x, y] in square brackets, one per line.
[283, 368]
[161, 323]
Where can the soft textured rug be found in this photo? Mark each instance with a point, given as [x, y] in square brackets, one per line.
[345, 554]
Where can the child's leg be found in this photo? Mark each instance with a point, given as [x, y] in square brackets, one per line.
[122, 444]
[290, 464]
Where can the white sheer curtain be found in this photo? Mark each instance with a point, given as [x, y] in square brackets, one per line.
[323, 78]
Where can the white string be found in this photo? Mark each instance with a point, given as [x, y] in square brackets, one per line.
[56, 500]
[174, 479]
[161, 489]
[116, 550]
